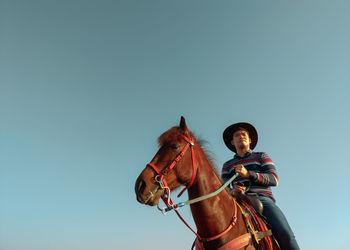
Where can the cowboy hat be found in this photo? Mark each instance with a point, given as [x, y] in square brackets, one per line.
[228, 134]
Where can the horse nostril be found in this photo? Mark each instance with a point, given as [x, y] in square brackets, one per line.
[141, 185]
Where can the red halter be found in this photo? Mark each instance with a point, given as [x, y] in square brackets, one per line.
[161, 174]
[164, 185]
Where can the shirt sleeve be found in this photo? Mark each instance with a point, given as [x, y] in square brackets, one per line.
[227, 172]
[267, 174]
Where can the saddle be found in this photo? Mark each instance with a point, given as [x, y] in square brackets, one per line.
[255, 203]
[252, 209]
[251, 199]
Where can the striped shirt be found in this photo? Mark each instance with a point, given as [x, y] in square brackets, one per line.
[262, 172]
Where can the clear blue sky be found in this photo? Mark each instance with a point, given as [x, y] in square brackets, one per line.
[88, 86]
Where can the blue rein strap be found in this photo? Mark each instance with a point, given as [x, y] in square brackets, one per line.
[189, 202]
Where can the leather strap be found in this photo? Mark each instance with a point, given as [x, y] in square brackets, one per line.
[244, 240]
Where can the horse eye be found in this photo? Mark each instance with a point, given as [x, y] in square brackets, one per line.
[174, 146]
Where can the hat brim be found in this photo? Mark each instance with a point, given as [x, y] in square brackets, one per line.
[228, 134]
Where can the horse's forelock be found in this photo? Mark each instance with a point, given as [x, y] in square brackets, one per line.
[173, 135]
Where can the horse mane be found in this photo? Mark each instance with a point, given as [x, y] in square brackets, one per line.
[174, 135]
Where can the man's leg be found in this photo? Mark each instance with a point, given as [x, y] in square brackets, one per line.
[280, 227]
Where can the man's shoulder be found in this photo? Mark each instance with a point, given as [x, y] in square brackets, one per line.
[263, 158]
[261, 155]
[229, 162]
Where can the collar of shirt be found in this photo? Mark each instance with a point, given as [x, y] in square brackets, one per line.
[249, 152]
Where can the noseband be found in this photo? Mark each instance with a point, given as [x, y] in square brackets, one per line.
[160, 177]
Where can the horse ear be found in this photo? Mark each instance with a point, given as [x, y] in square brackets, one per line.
[183, 126]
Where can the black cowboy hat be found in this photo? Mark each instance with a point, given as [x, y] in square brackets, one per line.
[228, 133]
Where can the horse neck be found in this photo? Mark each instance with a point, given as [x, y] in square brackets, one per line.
[214, 214]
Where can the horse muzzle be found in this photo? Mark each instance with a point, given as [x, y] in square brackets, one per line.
[148, 194]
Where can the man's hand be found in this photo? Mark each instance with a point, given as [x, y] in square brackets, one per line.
[242, 171]
[238, 190]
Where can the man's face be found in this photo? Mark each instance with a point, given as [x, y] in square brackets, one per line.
[241, 139]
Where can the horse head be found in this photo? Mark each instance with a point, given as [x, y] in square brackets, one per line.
[170, 168]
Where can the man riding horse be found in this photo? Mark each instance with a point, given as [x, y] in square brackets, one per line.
[258, 170]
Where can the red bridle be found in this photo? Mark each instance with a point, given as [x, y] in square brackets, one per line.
[164, 185]
[161, 174]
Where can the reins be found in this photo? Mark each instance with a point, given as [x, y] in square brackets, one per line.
[201, 198]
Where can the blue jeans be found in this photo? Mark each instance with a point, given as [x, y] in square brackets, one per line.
[279, 224]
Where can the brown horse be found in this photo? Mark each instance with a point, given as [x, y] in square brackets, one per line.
[218, 219]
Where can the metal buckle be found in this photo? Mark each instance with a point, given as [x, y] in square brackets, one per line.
[188, 141]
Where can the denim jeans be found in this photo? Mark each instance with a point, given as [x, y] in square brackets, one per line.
[279, 224]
